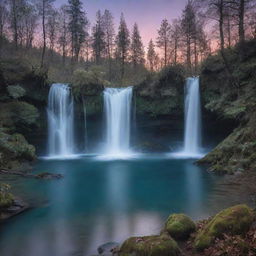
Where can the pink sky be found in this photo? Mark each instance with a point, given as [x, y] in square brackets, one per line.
[147, 13]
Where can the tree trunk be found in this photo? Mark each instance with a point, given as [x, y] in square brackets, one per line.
[44, 34]
[222, 46]
[241, 28]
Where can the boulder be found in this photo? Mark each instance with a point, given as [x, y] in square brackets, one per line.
[235, 220]
[179, 226]
[162, 245]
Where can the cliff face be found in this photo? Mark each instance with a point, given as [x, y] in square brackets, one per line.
[161, 93]
[236, 101]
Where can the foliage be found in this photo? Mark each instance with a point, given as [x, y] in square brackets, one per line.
[16, 91]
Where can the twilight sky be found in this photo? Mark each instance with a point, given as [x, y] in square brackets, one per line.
[147, 13]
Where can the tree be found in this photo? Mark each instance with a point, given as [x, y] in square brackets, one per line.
[3, 22]
[63, 32]
[163, 39]
[30, 23]
[77, 25]
[151, 55]
[175, 37]
[52, 26]
[108, 28]
[123, 43]
[188, 27]
[137, 48]
[98, 38]
[44, 7]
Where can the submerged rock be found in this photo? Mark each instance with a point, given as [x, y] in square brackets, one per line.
[48, 176]
[162, 245]
[179, 226]
[235, 220]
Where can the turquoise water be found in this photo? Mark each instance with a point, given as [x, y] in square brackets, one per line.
[101, 200]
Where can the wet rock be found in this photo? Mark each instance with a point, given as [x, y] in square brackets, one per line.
[48, 176]
[108, 249]
[17, 206]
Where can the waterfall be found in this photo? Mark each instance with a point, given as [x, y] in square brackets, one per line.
[192, 142]
[60, 112]
[118, 110]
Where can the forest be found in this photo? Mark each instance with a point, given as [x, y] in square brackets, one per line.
[119, 137]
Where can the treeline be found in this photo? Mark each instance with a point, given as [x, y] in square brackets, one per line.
[204, 26]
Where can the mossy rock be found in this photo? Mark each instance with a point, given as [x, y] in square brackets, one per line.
[15, 149]
[162, 245]
[235, 220]
[179, 226]
[6, 200]
[18, 115]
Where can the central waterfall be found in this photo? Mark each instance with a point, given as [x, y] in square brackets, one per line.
[192, 141]
[118, 110]
[60, 113]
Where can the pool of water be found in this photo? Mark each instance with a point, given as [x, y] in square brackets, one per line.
[101, 200]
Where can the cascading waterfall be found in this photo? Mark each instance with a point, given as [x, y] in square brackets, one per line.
[192, 143]
[60, 112]
[118, 110]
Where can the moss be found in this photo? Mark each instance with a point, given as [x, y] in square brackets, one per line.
[15, 149]
[18, 115]
[233, 220]
[6, 198]
[179, 226]
[162, 245]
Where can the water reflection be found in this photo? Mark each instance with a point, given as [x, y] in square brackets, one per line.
[104, 201]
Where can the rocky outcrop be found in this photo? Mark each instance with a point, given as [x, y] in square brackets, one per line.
[161, 93]
[229, 102]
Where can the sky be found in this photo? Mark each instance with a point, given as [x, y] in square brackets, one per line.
[147, 13]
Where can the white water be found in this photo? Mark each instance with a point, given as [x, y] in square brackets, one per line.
[60, 113]
[192, 140]
[118, 110]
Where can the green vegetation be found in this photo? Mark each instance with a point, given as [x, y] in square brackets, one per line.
[236, 152]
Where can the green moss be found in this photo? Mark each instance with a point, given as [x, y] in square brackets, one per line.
[6, 198]
[179, 226]
[162, 245]
[18, 115]
[233, 220]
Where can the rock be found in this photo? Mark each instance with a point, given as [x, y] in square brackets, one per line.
[235, 220]
[162, 245]
[150, 147]
[16, 91]
[179, 226]
[108, 248]
[48, 176]
[16, 207]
